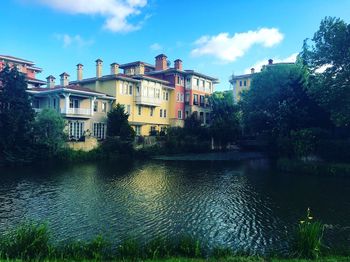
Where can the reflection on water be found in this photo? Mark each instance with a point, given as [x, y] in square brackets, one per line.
[245, 206]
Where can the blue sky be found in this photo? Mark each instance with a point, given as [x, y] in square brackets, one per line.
[214, 37]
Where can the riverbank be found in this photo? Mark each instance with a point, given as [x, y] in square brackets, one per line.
[213, 156]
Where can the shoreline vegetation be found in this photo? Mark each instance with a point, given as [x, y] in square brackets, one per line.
[33, 242]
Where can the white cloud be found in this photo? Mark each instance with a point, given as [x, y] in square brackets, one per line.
[258, 65]
[228, 48]
[116, 12]
[323, 68]
[156, 47]
[74, 40]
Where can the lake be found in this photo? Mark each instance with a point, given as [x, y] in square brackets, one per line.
[245, 205]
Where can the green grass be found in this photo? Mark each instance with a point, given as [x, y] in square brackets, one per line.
[32, 242]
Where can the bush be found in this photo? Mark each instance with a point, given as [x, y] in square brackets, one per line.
[308, 239]
[158, 248]
[220, 252]
[334, 150]
[28, 241]
[189, 247]
[129, 250]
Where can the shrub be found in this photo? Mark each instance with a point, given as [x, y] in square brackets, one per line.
[28, 241]
[221, 252]
[158, 248]
[308, 239]
[304, 142]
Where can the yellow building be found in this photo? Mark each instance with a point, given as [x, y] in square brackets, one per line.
[84, 110]
[240, 83]
[146, 99]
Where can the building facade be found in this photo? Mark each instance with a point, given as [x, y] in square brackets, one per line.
[152, 95]
[26, 67]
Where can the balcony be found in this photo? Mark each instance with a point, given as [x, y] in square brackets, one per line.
[76, 111]
[149, 101]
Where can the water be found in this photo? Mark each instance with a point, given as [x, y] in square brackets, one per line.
[242, 205]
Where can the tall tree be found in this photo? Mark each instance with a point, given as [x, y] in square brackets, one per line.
[118, 125]
[327, 56]
[277, 102]
[16, 118]
[225, 124]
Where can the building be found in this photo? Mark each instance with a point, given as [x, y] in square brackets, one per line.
[153, 95]
[240, 83]
[24, 66]
[84, 110]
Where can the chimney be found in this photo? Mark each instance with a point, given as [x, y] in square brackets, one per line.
[140, 69]
[99, 63]
[270, 61]
[114, 68]
[50, 80]
[178, 64]
[252, 70]
[80, 72]
[161, 62]
[64, 79]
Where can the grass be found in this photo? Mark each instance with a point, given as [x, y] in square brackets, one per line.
[32, 242]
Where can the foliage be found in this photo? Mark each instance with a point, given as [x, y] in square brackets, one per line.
[49, 133]
[28, 241]
[308, 239]
[220, 252]
[189, 247]
[304, 142]
[278, 102]
[16, 118]
[118, 124]
[330, 51]
[158, 248]
[129, 250]
[225, 124]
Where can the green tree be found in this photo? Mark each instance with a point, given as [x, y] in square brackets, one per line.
[50, 137]
[118, 124]
[328, 59]
[16, 118]
[278, 102]
[225, 124]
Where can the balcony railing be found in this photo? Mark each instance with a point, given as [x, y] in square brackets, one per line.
[150, 101]
[76, 111]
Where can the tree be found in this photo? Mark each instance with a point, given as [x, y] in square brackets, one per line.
[118, 124]
[328, 59]
[16, 118]
[49, 132]
[225, 124]
[278, 102]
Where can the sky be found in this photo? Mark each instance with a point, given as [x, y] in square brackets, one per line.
[214, 37]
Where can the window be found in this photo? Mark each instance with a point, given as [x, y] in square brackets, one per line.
[161, 113]
[187, 98]
[130, 89]
[245, 83]
[95, 106]
[177, 80]
[138, 130]
[99, 130]
[167, 96]
[138, 90]
[157, 93]
[195, 99]
[201, 100]
[207, 118]
[203, 83]
[151, 111]
[197, 82]
[139, 110]
[75, 129]
[73, 103]
[182, 97]
[179, 114]
[240, 83]
[178, 97]
[128, 109]
[164, 113]
[187, 114]
[54, 103]
[104, 107]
